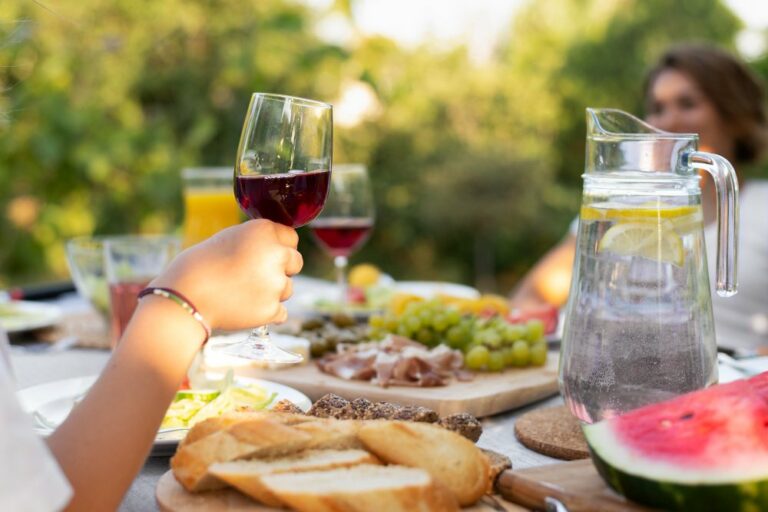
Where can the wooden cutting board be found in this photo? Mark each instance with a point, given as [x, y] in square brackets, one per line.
[172, 497]
[489, 393]
[576, 484]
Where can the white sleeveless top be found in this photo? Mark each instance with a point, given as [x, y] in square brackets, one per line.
[742, 320]
[30, 478]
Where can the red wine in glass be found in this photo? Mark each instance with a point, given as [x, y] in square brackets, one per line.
[282, 174]
[341, 236]
[292, 198]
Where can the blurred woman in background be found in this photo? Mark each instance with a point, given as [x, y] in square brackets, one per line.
[705, 90]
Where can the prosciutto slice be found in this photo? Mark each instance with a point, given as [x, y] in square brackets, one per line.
[396, 361]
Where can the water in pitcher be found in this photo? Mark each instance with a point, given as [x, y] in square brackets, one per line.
[644, 327]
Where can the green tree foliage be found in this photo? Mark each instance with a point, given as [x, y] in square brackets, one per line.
[106, 101]
[475, 166]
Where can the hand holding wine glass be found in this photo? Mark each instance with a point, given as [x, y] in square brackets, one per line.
[282, 173]
[347, 219]
[248, 263]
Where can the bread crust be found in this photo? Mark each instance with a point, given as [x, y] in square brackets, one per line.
[261, 435]
[448, 457]
[255, 435]
[225, 421]
[428, 496]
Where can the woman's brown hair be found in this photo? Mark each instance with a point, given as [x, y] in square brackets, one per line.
[736, 93]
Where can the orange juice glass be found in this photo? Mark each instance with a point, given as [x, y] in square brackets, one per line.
[209, 203]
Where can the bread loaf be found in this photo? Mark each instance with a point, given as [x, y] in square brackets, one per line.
[301, 461]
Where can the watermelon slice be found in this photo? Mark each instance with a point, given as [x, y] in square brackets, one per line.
[707, 450]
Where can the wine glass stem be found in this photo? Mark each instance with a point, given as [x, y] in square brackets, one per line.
[340, 262]
[259, 347]
[259, 337]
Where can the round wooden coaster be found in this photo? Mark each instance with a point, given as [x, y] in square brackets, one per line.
[553, 431]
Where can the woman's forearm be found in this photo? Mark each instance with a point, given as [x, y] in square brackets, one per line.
[105, 440]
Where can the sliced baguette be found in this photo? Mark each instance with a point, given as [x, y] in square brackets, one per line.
[255, 435]
[266, 436]
[246, 475]
[451, 459]
[363, 488]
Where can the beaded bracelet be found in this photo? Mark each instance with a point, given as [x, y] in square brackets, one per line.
[182, 301]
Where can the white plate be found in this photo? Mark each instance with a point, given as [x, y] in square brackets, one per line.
[21, 315]
[429, 289]
[305, 301]
[741, 368]
[754, 365]
[54, 400]
[728, 374]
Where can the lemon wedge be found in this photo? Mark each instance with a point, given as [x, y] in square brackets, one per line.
[652, 240]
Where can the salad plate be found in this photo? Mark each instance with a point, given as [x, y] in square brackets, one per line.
[50, 403]
[22, 315]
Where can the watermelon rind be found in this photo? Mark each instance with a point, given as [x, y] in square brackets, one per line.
[667, 487]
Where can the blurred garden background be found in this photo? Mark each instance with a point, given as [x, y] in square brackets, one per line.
[474, 140]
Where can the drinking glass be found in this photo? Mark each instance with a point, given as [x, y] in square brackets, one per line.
[208, 203]
[282, 173]
[85, 257]
[131, 262]
[347, 219]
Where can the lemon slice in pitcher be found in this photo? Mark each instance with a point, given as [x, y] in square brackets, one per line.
[651, 209]
[656, 241]
[683, 218]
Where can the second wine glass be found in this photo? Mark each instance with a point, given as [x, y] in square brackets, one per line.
[282, 174]
[347, 219]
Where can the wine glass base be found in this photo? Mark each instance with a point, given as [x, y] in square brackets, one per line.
[260, 352]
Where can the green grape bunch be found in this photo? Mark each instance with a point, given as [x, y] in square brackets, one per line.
[488, 344]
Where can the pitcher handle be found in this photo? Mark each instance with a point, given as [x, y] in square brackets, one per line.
[727, 191]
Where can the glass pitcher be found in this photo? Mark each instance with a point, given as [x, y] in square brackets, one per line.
[638, 326]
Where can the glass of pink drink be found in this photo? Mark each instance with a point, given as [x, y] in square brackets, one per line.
[347, 219]
[130, 263]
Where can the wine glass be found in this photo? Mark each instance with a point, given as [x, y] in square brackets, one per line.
[282, 173]
[347, 219]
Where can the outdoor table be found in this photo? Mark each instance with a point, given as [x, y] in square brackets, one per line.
[37, 367]
[38, 364]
